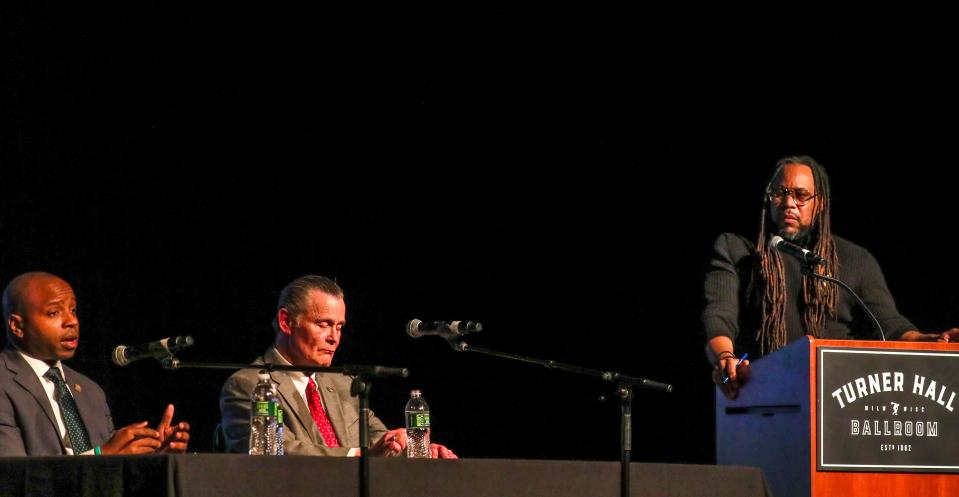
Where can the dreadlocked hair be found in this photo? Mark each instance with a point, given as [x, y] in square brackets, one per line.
[819, 297]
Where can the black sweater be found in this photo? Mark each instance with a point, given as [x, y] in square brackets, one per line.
[734, 306]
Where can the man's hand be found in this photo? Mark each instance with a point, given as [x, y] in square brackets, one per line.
[393, 443]
[174, 439]
[438, 451]
[133, 439]
[737, 376]
[950, 335]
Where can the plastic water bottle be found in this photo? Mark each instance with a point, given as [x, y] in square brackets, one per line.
[263, 417]
[279, 431]
[417, 426]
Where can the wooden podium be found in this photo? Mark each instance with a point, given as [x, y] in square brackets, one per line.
[773, 423]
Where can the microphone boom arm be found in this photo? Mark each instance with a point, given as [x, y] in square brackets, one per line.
[346, 369]
[460, 345]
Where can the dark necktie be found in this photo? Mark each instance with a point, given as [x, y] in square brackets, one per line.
[68, 411]
[319, 415]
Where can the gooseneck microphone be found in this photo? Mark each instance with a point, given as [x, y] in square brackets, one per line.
[804, 255]
[159, 349]
[809, 260]
[416, 328]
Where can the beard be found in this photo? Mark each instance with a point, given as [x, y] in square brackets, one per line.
[791, 236]
[799, 237]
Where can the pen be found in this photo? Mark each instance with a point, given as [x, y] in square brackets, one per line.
[741, 359]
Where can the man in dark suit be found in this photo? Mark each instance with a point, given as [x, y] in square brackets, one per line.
[47, 408]
[320, 416]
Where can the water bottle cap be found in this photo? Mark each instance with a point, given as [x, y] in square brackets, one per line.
[415, 393]
[263, 376]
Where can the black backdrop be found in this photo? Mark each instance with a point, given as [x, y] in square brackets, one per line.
[556, 172]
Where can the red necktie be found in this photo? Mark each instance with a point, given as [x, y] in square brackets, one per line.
[319, 415]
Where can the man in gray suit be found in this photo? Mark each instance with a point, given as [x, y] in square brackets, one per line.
[319, 414]
[47, 408]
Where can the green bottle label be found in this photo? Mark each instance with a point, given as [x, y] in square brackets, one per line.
[265, 408]
[418, 420]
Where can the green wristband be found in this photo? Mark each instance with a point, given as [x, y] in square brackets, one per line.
[96, 450]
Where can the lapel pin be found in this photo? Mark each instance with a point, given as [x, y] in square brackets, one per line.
[76, 386]
[329, 389]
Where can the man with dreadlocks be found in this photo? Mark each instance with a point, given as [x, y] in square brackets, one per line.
[757, 300]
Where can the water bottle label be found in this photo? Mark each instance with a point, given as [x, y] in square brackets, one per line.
[265, 409]
[418, 420]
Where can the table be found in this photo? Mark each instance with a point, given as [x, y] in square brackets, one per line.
[205, 475]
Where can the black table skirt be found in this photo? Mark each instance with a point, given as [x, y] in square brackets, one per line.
[222, 475]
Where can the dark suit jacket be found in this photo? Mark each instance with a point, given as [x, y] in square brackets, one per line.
[28, 426]
[300, 431]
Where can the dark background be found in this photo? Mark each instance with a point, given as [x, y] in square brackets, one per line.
[557, 172]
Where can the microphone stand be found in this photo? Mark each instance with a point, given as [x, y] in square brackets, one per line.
[360, 387]
[807, 270]
[624, 391]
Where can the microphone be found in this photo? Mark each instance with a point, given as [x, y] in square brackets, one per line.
[159, 349]
[804, 255]
[416, 328]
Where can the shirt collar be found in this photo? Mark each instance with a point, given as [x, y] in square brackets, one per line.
[297, 376]
[40, 367]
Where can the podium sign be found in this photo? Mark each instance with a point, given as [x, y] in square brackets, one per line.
[888, 410]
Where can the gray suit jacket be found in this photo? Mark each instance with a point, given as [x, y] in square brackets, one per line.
[301, 434]
[27, 423]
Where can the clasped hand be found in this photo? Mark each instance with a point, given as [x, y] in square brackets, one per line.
[393, 443]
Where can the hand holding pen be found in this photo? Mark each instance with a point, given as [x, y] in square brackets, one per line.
[729, 385]
[740, 363]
